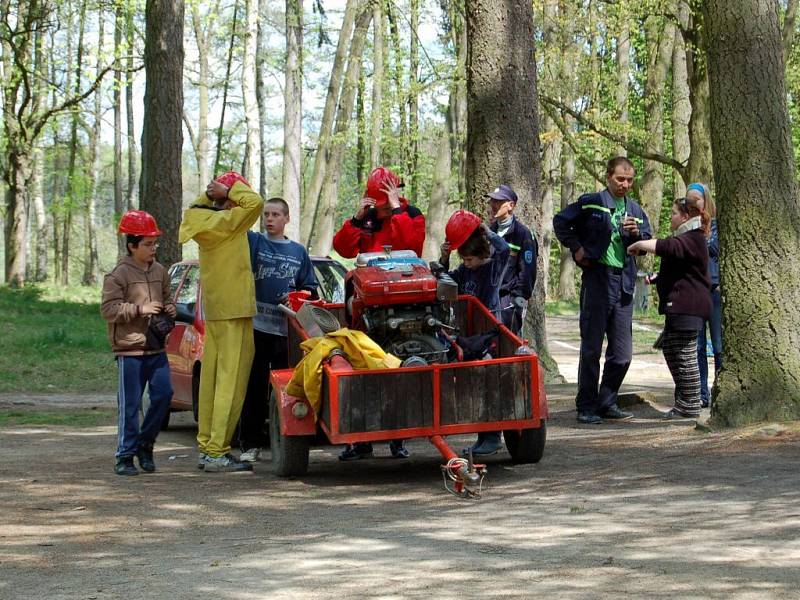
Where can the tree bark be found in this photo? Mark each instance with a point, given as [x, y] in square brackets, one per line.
[759, 216]
[119, 202]
[566, 271]
[90, 258]
[292, 120]
[201, 136]
[623, 73]
[311, 200]
[377, 87]
[361, 130]
[324, 222]
[789, 24]
[700, 159]
[261, 96]
[413, 102]
[400, 93]
[661, 37]
[251, 170]
[502, 128]
[162, 135]
[681, 107]
[436, 219]
[130, 30]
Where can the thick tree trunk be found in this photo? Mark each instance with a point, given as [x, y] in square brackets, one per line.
[251, 170]
[759, 215]
[311, 200]
[292, 120]
[377, 87]
[502, 127]
[162, 135]
[324, 223]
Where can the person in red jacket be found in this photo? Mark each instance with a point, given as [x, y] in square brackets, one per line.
[384, 218]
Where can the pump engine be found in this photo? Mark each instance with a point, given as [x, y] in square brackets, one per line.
[402, 305]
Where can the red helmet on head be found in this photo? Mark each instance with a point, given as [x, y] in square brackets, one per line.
[376, 181]
[231, 177]
[460, 226]
[139, 222]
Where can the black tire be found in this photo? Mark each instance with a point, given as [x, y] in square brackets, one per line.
[196, 393]
[289, 453]
[526, 446]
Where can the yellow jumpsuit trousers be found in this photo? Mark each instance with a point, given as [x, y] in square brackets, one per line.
[227, 357]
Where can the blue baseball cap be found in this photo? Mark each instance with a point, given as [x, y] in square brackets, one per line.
[502, 192]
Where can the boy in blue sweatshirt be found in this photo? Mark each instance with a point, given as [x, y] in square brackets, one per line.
[279, 266]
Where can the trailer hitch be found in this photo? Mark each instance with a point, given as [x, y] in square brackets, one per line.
[461, 476]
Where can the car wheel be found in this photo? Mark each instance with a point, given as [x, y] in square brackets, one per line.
[289, 452]
[527, 445]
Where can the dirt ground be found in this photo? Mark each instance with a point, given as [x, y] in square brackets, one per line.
[644, 509]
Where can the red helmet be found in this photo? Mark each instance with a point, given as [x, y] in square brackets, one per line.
[376, 181]
[231, 177]
[460, 226]
[139, 222]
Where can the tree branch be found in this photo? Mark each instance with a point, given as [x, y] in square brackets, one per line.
[634, 149]
[570, 139]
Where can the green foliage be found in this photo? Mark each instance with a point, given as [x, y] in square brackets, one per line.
[54, 340]
[63, 418]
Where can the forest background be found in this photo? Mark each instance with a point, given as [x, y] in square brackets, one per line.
[305, 98]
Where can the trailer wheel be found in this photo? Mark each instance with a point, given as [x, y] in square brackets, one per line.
[526, 446]
[289, 452]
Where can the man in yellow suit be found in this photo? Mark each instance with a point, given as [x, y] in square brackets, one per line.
[218, 222]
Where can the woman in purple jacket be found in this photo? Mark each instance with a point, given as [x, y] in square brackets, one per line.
[683, 285]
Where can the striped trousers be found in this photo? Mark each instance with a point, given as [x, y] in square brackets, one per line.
[680, 352]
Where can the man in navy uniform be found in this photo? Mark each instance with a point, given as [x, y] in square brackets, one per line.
[520, 276]
[598, 229]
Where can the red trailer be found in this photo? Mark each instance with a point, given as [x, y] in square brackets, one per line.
[444, 397]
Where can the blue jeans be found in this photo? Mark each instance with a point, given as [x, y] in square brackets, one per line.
[134, 373]
[715, 325]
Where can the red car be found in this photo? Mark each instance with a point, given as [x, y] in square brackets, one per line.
[185, 342]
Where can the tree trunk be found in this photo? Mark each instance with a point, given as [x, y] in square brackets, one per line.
[623, 73]
[252, 170]
[262, 57]
[76, 184]
[201, 136]
[311, 200]
[90, 258]
[119, 202]
[502, 128]
[324, 222]
[651, 185]
[700, 159]
[566, 270]
[681, 107]
[161, 189]
[759, 216]
[400, 93]
[361, 130]
[226, 87]
[413, 102]
[789, 24]
[292, 119]
[130, 30]
[377, 87]
[437, 216]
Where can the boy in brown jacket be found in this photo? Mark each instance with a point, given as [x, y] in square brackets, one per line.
[134, 293]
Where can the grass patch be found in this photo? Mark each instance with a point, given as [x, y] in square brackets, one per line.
[66, 418]
[558, 308]
[54, 339]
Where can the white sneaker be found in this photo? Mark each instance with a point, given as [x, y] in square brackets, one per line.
[201, 460]
[250, 456]
[225, 464]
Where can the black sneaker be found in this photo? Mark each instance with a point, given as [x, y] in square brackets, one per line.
[356, 451]
[589, 418]
[225, 464]
[616, 413]
[125, 466]
[145, 456]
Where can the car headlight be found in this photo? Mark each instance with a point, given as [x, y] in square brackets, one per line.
[300, 409]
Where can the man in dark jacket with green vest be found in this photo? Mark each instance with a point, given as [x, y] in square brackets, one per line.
[597, 229]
